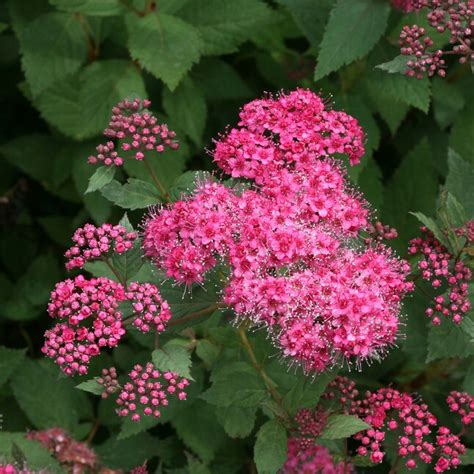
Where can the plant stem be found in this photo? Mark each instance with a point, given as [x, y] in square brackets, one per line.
[93, 431]
[115, 272]
[269, 383]
[155, 179]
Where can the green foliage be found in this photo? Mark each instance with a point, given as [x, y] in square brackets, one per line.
[65, 64]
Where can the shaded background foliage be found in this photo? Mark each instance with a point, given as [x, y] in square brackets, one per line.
[65, 63]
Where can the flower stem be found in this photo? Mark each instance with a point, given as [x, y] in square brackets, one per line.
[162, 190]
[120, 278]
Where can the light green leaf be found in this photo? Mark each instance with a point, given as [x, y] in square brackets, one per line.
[135, 194]
[467, 457]
[102, 176]
[363, 21]
[91, 386]
[396, 65]
[207, 351]
[238, 422]
[432, 225]
[52, 46]
[173, 357]
[10, 360]
[224, 24]
[343, 426]
[187, 106]
[270, 449]
[164, 45]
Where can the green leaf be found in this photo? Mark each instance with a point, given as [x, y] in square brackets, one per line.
[135, 194]
[128, 453]
[198, 428]
[363, 21]
[343, 426]
[432, 225]
[164, 45]
[459, 181]
[10, 360]
[238, 422]
[463, 131]
[186, 183]
[91, 386]
[270, 449]
[448, 101]
[173, 357]
[237, 386]
[448, 340]
[467, 457]
[52, 46]
[129, 263]
[102, 176]
[224, 24]
[370, 183]
[48, 401]
[218, 80]
[37, 457]
[413, 187]
[90, 7]
[207, 351]
[396, 65]
[455, 210]
[104, 84]
[187, 106]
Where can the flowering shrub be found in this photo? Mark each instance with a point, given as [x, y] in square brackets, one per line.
[265, 268]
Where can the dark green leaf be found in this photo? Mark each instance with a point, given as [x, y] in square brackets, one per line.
[91, 386]
[270, 449]
[459, 181]
[90, 7]
[173, 357]
[343, 426]
[135, 194]
[396, 65]
[10, 360]
[102, 176]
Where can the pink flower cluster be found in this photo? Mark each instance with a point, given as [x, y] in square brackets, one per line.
[137, 129]
[10, 469]
[406, 6]
[90, 319]
[439, 267]
[288, 238]
[388, 409]
[149, 308]
[148, 391]
[455, 16]
[467, 231]
[462, 403]
[77, 456]
[314, 459]
[93, 242]
[72, 342]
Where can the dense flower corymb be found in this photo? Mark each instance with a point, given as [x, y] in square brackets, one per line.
[289, 238]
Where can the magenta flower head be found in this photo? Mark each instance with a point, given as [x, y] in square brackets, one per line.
[88, 320]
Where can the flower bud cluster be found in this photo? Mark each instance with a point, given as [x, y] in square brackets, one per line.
[446, 275]
[138, 131]
[108, 379]
[93, 242]
[462, 403]
[148, 391]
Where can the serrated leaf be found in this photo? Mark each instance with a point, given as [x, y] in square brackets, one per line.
[224, 24]
[135, 194]
[91, 386]
[432, 225]
[207, 351]
[448, 340]
[459, 181]
[456, 212]
[270, 449]
[49, 401]
[448, 101]
[128, 263]
[174, 358]
[238, 422]
[370, 183]
[90, 7]
[343, 426]
[396, 65]
[198, 428]
[10, 360]
[463, 131]
[102, 176]
[164, 45]
[363, 21]
[53, 46]
[187, 106]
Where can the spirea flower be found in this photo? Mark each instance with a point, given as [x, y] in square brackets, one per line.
[89, 319]
[150, 310]
[148, 391]
[462, 403]
[449, 276]
[312, 459]
[91, 242]
[406, 5]
[138, 131]
[290, 237]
